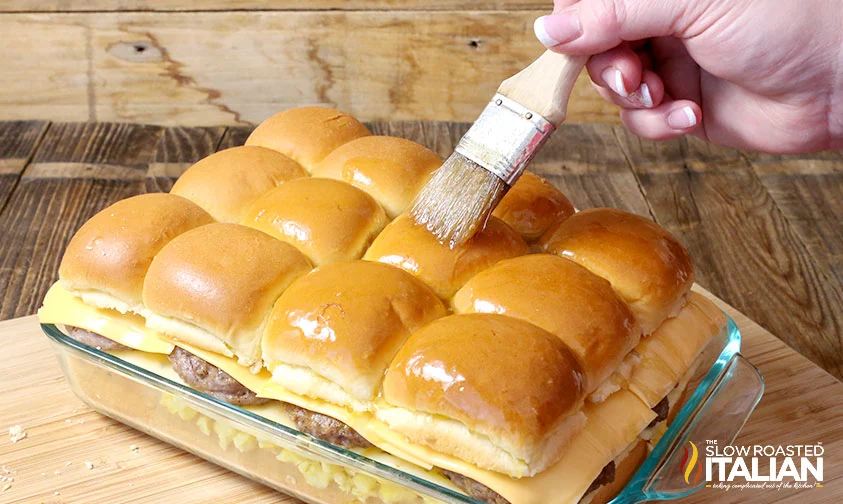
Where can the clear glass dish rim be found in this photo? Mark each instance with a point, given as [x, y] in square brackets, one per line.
[365, 464]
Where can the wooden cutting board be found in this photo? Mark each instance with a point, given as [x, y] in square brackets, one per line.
[802, 405]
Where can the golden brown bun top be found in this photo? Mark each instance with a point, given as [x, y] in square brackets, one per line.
[414, 249]
[562, 298]
[491, 372]
[532, 206]
[645, 264]
[307, 134]
[346, 321]
[112, 251]
[227, 182]
[224, 279]
[328, 220]
[391, 169]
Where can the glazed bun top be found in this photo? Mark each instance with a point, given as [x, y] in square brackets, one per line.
[328, 220]
[107, 259]
[227, 182]
[214, 286]
[646, 265]
[307, 134]
[413, 248]
[345, 322]
[393, 170]
[532, 206]
[501, 377]
[563, 298]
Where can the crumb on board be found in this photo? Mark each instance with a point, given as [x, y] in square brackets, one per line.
[6, 487]
[56, 492]
[134, 449]
[68, 464]
[16, 433]
[89, 465]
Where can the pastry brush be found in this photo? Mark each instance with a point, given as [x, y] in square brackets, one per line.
[527, 108]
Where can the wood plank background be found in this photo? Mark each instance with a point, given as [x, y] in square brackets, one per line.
[764, 231]
[230, 62]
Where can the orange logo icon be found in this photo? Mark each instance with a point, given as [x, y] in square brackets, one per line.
[690, 461]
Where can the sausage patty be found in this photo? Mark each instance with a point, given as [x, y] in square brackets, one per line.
[93, 339]
[481, 492]
[325, 428]
[606, 476]
[474, 489]
[661, 409]
[211, 380]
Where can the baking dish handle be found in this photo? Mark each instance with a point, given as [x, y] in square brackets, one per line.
[678, 468]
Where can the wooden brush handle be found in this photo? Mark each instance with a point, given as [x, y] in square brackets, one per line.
[545, 85]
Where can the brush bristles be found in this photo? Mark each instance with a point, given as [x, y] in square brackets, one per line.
[458, 200]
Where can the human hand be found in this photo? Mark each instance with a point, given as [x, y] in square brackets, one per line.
[751, 74]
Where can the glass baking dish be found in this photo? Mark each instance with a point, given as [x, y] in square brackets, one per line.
[726, 388]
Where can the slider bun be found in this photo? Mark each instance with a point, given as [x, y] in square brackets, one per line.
[225, 183]
[532, 206]
[108, 257]
[343, 324]
[214, 286]
[667, 355]
[414, 249]
[562, 298]
[307, 134]
[391, 169]
[645, 264]
[492, 390]
[328, 220]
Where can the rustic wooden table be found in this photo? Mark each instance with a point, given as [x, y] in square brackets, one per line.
[765, 231]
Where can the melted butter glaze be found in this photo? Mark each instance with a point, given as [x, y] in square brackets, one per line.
[645, 264]
[445, 369]
[327, 220]
[564, 298]
[347, 320]
[413, 248]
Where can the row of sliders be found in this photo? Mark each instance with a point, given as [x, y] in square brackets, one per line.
[550, 348]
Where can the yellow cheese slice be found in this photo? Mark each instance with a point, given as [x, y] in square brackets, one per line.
[253, 382]
[610, 428]
[668, 354]
[62, 307]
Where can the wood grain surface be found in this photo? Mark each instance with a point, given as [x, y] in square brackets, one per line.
[764, 230]
[210, 5]
[802, 404]
[207, 68]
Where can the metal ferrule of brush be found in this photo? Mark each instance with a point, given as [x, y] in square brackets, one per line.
[505, 138]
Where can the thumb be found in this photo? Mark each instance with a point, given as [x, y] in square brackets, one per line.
[595, 26]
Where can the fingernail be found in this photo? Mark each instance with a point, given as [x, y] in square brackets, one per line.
[614, 79]
[682, 118]
[559, 28]
[642, 96]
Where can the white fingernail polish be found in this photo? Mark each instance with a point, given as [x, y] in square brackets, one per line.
[614, 79]
[541, 33]
[683, 118]
[642, 96]
[692, 117]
